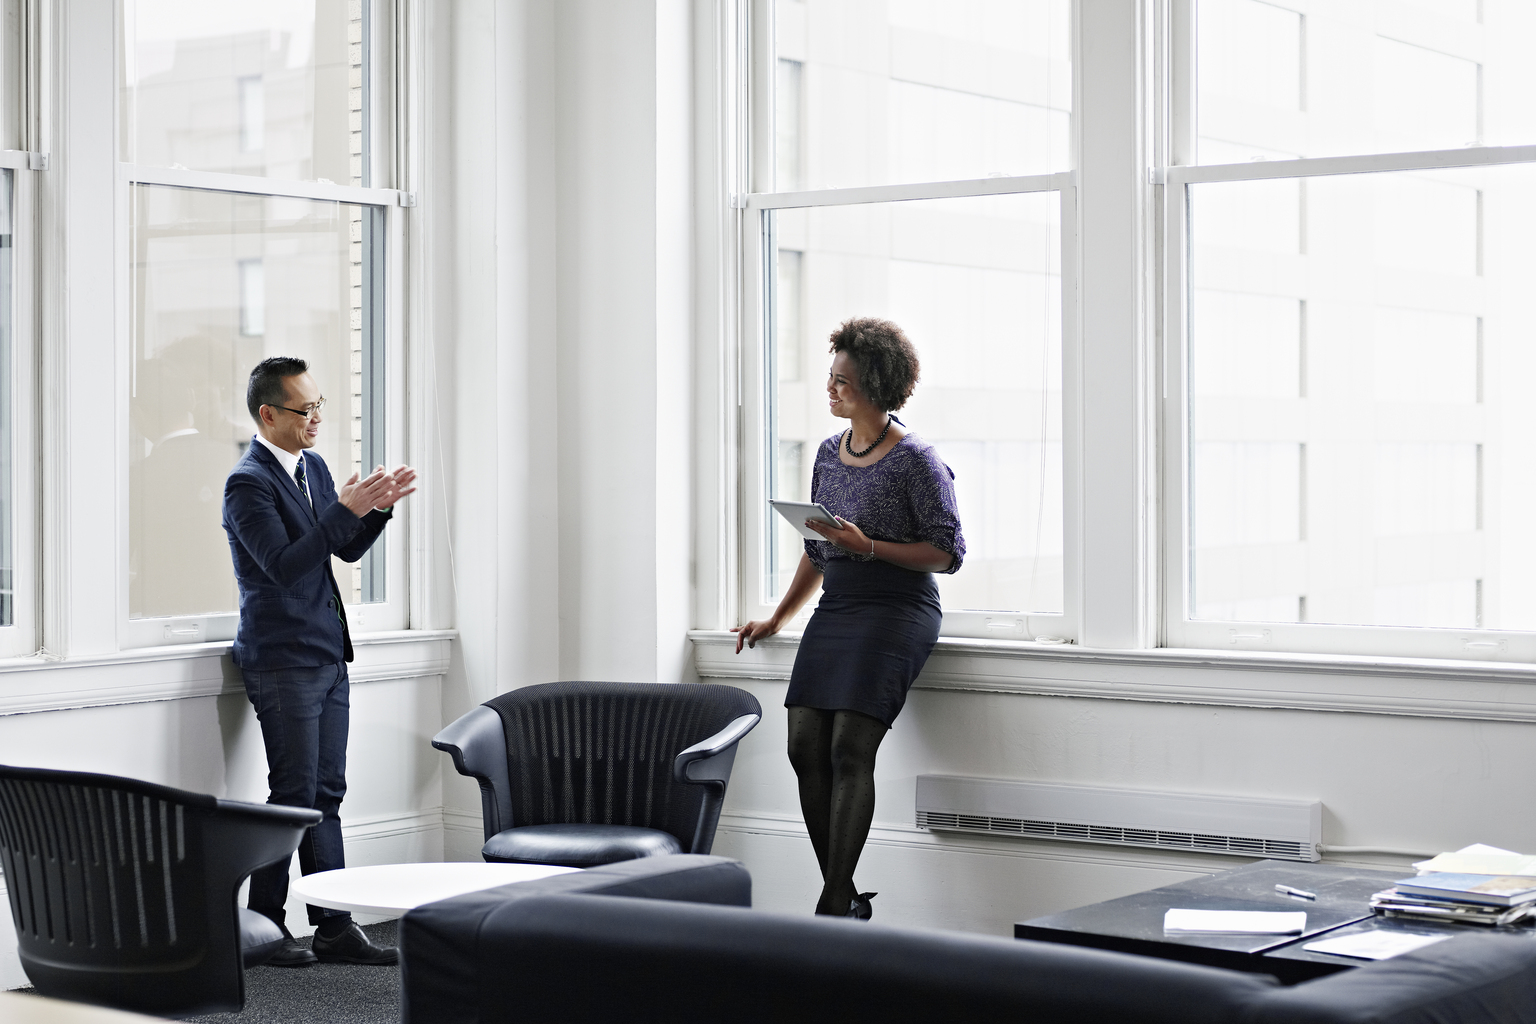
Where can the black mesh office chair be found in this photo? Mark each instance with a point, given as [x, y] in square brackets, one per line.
[584, 773]
[124, 892]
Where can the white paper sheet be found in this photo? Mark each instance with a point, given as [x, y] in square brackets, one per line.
[1479, 859]
[1373, 945]
[1238, 922]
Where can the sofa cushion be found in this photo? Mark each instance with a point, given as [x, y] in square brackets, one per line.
[577, 846]
[443, 955]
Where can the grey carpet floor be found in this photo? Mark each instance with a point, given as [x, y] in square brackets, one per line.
[320, 994]
[323, 993]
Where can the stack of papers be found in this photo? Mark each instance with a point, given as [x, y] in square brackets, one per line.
[1373, 945]
[1236, 922]
[1478, 859]
[1476, 885]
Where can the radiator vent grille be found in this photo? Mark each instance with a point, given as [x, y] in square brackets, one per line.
[1158, 838]
[1243, 826]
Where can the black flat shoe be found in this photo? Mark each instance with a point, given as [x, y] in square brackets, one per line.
[292, 954]
[860, 909]
[353, 947]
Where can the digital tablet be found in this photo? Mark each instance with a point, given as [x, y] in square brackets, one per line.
[797, 512]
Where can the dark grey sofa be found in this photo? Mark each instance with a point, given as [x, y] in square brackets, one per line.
[636, 941]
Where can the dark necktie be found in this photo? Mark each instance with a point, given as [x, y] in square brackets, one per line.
[298, 476]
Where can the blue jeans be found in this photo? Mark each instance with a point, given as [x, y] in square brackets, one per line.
[303, 714]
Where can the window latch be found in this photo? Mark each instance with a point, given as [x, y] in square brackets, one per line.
[1157, 175]
[407, 198]
[738, 201]
[37, 161]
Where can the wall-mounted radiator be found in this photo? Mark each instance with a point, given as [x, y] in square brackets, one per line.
[1242, 826]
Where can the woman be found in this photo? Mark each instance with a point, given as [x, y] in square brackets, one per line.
[879, 612]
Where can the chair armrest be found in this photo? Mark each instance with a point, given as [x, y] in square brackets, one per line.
[241, 837]
[477, 742]
[302, 817]
[698, 763]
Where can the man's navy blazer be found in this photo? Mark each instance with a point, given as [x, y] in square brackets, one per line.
[290, 613]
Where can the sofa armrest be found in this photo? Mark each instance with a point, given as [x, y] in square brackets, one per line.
[442, 945]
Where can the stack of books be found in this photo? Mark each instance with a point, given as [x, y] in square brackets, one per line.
[1462, 898]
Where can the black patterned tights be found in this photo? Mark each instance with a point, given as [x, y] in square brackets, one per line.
[833, 754]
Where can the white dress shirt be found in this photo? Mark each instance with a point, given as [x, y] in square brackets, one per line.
[290, 463]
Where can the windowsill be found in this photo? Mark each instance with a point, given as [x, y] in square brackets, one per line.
[41, 683]
[1490, 691]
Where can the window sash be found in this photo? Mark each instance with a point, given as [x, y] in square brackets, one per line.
[385, 265]
[20, 638]
[1179, 629]
[757, 455]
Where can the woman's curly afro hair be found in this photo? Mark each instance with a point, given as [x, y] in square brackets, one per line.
[887, 362]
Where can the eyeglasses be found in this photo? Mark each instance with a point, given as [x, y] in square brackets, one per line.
[309, 412]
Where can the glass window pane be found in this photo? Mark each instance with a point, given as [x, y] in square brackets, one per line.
[219, 282]
[921, 90]
[273, 88]
[7, 423]
[1372, 76]
[976, 285]
[1361, 428]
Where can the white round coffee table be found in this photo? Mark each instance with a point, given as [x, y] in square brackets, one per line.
[391, 889]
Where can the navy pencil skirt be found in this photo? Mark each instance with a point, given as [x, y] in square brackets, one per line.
[868, 639]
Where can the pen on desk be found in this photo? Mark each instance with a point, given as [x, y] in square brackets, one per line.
[1287, 890]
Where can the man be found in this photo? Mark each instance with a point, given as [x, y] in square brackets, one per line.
[285, 519]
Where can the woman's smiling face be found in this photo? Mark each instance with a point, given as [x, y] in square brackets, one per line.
[844, 398]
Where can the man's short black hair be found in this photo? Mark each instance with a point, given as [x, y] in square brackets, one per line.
[266, 383]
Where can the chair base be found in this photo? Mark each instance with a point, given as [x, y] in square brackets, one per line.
[577, 846]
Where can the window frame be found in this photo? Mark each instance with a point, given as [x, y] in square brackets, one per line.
[755, 289]
[1174, 180]
[383, 161]
[21, 637]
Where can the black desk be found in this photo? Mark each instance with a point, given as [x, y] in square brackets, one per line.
[1134, 924]
[1327, 963]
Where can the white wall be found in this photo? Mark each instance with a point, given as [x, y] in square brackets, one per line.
[1399, 761]
[624, 336]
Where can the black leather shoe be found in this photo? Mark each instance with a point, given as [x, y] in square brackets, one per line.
[859, 909]
[292, 954]
[353, 947]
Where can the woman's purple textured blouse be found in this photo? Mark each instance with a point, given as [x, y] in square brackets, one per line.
[909, 495]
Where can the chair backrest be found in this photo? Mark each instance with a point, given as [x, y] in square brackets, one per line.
[599, 752]
[109, 891]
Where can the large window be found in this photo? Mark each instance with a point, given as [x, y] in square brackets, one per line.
[250, 148]
[917, 174]
[1351, 307]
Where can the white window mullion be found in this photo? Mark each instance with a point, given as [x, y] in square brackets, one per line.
[1115, 416]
